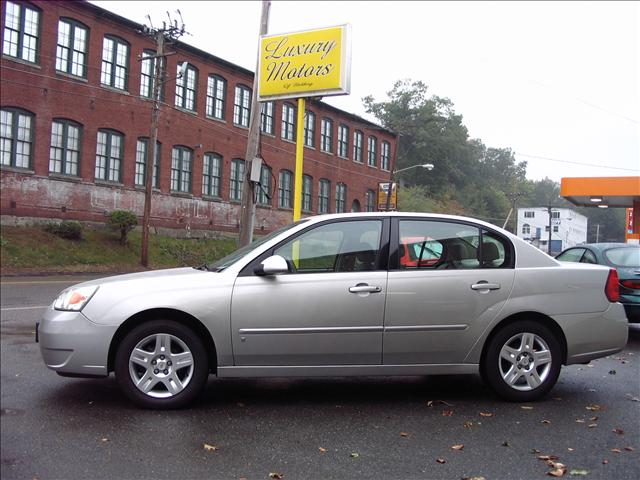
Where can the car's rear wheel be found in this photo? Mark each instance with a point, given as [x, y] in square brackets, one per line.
[522, 361]
[161, 364]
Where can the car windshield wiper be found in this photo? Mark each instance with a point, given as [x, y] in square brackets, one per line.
[203, 267]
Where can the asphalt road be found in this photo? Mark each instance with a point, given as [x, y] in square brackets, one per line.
[374, 427]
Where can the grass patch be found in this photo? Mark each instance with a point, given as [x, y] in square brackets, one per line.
[31, 249]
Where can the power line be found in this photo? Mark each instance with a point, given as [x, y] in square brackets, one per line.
[577, 163]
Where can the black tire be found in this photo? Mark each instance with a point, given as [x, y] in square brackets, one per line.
[526, 376]
[186, 380]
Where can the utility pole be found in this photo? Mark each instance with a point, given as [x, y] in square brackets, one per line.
[549, 244]
[167, 33]
[248, 205]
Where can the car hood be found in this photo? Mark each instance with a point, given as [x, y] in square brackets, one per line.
[170, 275]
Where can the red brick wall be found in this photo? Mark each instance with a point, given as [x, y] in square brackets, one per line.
[49, 94]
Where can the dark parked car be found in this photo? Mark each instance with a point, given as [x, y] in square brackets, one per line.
[625, 258]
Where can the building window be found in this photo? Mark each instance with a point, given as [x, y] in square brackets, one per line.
[341, 195]
[21, 27]
[267, 117]
[264, 189]
[307, 186]
[236, 180]
[16, 138]
[358, 138]
[115, 63]
[343, 141]
[326, 135]
[310, 129]
[526, 229]
[71, 52]
[211, 172]
[216, 96]
[288, 122]
[142, 153]
[385, 156]
[370, 201]
[181, 168]
[546, 228]
[323, 195]
[64, 153]
[109, 148]
[147, 72]
[555, 229]
[285, 190]
[372, 151]
[529, 214]
[186, 86]
[242, 106]
[555, 214]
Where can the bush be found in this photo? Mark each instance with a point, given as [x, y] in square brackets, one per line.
[123, 221]
[69, 229]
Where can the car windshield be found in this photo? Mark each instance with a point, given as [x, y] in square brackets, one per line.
[624, 257]
[233, 257]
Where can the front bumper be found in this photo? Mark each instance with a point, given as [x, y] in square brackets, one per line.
[71, 344]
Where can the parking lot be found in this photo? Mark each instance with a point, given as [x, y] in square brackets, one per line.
[374, 427]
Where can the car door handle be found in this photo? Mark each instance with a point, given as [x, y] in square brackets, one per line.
[364, 288]
[482, 285]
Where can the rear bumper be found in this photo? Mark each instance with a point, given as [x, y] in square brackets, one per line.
[633, 312]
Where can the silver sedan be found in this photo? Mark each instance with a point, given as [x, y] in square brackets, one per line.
[349, 294]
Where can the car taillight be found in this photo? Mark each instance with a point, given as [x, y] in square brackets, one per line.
[632, 284]
[612, 289]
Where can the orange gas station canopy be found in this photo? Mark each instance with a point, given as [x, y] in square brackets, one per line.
[594, 191]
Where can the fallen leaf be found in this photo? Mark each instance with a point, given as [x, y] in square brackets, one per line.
[322, 450]
[579, 472]
[612, 372]
[209, 448]
[430, 403]
[535, 450]
[526, 407]
[404, 434]
[616, 450]
[473, 478]
[579, 420]
[486, 414]
[633, 399]
[547, 457]
[355, 455]
[506, 444]
[558, 472]
[619, 431]
[593, 408]
[593, 419]
[546, 422]
[276, 475]
[605, 461]
[629, 449]
[569, 449]
[447, 413]
[553, 464]
[457, 447]
[590, 366]
[592, 425]
[105, 439]
[441, 460]
[467, 424]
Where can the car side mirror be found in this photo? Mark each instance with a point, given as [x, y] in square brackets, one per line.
[273, 265]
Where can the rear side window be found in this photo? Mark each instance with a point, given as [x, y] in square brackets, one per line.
[573, 255]
[425, 244]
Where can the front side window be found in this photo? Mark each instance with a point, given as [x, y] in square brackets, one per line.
[335, 247]
[370, 201]
[358, 138]
[307, 186]
[216, 96]
[21, 32]
[211, 171]
[285, 189]
[343, 141]
[341, 194]
[373, 146]
[181, 169]
[310, 129]
[242, 106]
[115, 63]
[142, 153]
[323, 195]
[186, 86]
[16, 138]
[236, 180]
[288, 122]
[71, 51]
[437, 245]
[109, 149]
[264, 188]
[64, 153]
[326, 135]
[267, 117]
[385, 156]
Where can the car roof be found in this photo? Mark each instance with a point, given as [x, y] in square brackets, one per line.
[601, 247]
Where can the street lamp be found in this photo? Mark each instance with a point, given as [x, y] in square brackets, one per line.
[428, 166]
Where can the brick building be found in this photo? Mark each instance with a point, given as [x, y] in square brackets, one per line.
[75, 126]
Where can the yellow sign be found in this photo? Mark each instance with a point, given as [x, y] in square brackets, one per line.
[383, 193]
[305, 64]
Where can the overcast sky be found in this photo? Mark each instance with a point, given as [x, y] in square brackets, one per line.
[550, 80]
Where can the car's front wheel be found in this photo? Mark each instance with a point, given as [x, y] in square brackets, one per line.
[522, 361]
[161, 364]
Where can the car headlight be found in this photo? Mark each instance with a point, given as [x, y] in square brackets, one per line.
[74, 298]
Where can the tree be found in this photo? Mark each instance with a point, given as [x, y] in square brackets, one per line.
[124, 221]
